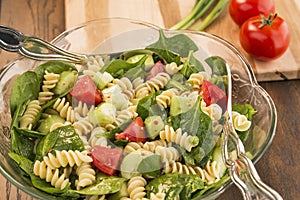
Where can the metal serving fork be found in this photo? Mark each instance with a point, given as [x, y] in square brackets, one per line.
[241, 169]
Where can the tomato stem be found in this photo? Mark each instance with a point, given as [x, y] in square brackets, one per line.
[267, 21]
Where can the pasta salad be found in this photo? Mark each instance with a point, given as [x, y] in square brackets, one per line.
[145, 124]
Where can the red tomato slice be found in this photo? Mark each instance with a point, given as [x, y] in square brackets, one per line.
[135, 132]
[106, 159]
[213, 94]
[86, 91]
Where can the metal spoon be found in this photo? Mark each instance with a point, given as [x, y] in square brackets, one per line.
[241, 169]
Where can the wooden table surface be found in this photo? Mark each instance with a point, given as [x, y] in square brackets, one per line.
[279, 167]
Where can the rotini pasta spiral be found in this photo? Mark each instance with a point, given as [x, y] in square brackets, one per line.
[121, 117]
[49, 83]
[94, 63]
[58, 125]
[126, 86]
[183, 139]
[83, 126]
[65, 110]
[164, 99]
[197, 79]
[213, 110]
[210, 174]
[64, 158]
[56, 179]
[133, 146]
[97, 138]
[158, 82]
[30, 114]
[173, 68]
[167, 154]
[151, 146]
[137, 81]
[157, 196]
[240, 122]
[154, 84]
[82, 110]
[136, 187]
[86, 175]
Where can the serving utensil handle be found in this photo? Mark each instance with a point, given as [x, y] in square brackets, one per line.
[34, 48]
[10, 39]
[243, 172]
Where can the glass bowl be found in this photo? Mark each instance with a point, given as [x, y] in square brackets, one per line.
[118, 35]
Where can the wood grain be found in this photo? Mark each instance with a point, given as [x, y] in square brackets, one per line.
[43, 18]
[166, 13]
[279, 167]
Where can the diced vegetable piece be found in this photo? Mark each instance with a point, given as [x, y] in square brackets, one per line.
[130, 163]
[106, 159]
[157, 68]
[135, 132]
[66, 82]
[86, 91]
[104, 114]
[213, 94]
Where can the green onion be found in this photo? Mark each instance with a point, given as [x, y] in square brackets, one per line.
[199, 10]
[215, 12]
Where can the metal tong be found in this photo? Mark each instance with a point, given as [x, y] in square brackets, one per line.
[34, 48]
[241, 169]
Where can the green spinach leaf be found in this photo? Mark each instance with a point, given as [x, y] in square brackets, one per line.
[56, 67]
[104, 185]
[172, 48]
[175, 184]
[119, 67]
[191, 65]
[63, 138]
[22, 145]
[26, 87]
[147, 106]
[217, 65]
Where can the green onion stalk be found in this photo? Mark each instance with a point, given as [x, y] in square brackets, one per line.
[211, 8]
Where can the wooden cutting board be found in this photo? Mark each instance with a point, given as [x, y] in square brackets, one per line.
[166, 13]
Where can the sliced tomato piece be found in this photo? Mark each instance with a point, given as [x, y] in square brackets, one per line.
[213, 94]
[158, 67]
[86, 91]
[106, 159]
[135, 132]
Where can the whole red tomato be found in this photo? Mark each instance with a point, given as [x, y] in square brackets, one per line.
[265, 38]
[241, 10]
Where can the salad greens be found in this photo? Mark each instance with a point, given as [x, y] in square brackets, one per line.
[187, 116]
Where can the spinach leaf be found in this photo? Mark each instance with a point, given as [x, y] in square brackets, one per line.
[29, 133]
[175, 184]
[56, 67]
[191, 65]
[26, 87]
[22, 145]
[104, 185]
[172, 48]
[136, 72]
[119, 67]
[244, 109]
[217, 65]
[147, 106]
[199, 193]
[63, 138]
[196, 122]
[27, 166]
